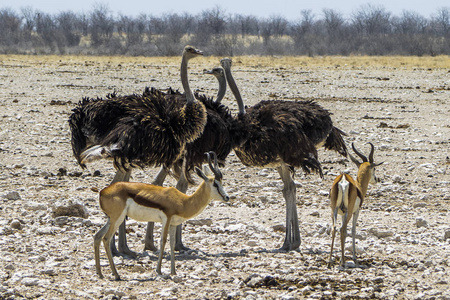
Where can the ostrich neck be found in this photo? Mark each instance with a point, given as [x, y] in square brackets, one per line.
[235, 90]
[222, 89]
[185, 81]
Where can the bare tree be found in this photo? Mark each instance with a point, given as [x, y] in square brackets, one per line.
[68, 26]
[210, 22]
[10, 27]
[371, 20]
[371, 30]
[302, 33]
[101, 25]
[245, 25]
[441, 21]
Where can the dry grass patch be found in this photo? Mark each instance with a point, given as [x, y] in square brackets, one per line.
[288, 62]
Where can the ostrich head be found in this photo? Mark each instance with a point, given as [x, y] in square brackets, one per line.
[191, 52]
[217, 72]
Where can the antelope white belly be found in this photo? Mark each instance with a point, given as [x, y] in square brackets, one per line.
[144, 214]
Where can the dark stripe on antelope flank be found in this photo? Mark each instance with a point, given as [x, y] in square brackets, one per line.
[145, 202]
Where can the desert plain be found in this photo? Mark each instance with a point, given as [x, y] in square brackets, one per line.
[49, 212]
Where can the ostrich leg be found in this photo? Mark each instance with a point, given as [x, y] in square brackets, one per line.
[149, 243]
[122, 241]
[182, 185]
[292, 240]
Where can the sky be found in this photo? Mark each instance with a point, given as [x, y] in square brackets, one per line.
[290, 9]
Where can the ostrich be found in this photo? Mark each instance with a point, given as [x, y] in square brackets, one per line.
[222, 133]
[286, 134]
[137, 130]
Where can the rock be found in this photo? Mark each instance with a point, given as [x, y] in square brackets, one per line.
[30, 281]
[381, 234]
[447, 234]
[419, 204]
[138, 269]
[15, 224]
[421, 222]
[35, 206]
[200, 222]
[254, 280]
[71, 209]
[235, 227]
[279, 228]
[12, 196]
[324, 193]
[307, 289]
[62, 172]
[114, 291]
[397, 179]
[252, 243]
[60, 221]
[315, 213]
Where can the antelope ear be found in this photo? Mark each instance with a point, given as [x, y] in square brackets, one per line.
[201, 174]
[207, 171]
[376, 165]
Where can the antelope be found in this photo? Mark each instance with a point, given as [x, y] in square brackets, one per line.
[347, 196]
[151, 203]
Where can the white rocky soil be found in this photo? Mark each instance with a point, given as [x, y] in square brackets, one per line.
[49, 213]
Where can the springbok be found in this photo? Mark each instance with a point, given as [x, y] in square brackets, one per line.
[151, 203]
[347, 196]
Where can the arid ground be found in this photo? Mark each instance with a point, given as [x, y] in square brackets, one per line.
[401, 105]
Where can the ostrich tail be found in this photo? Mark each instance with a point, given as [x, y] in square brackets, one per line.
[335, 141]
[95, 153]
[312, 164]
[194, 120]
[78, 140]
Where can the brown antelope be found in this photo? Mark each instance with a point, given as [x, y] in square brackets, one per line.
[151, 203]
[347, 196]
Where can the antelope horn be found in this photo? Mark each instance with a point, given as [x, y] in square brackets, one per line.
[215, 168]
[357, 163]
[372, 148]
[364, 158]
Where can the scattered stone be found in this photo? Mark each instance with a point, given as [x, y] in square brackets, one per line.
[315, 213]
[381, 234]
[115, 292]
[200, 222]
[421, 222]
[35, 206]
[419, 204]
[252, 243]
[60, 221]
[16, 224]
[30, 281]
[71, 209]
[61, 172]
[13, 195]
[75, 174]
[447, 234]
[279, 228]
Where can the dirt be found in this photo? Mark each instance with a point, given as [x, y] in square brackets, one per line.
[403, 232]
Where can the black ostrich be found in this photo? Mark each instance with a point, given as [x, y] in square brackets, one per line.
[286, 134]
[222, 133]
[137, 130]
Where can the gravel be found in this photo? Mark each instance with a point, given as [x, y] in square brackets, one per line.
[50, 214]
